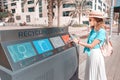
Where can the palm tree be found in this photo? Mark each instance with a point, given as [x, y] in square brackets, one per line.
[50, 13]
[5, 14]
[80, 8]
[1, 10]
[59, 3]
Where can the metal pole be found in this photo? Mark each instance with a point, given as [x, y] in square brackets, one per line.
[119, 24]
[111, 16]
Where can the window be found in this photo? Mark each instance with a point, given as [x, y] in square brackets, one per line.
[31, 9]
[54, 6]
[86, 22]
[95, 1]
[83, 14]
[13, 0]
[30, 2]
[99, 8]
[13, 4]
[40, 2]
[22, 4]
[104, 5]
[28, 18]
[5, 3]
[40, 9]
[89, 3]
[6, 7]
[95, 6]
[66, 13]
[104, 10]
[100, 2]
[22, 9]
[68, 5]
[40, 15]
[13, 10]
[18, 17]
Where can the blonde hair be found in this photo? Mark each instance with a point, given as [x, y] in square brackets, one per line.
[100, 23]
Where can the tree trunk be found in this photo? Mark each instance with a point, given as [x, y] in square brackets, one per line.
[58, 16]
[79, 19]
[58, 6]
[50, 13]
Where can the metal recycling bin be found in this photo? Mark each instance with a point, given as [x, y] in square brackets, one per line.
[37, 54]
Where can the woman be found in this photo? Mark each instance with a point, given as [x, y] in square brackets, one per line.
[95, 66]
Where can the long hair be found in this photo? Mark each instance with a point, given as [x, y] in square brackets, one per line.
[100, 23]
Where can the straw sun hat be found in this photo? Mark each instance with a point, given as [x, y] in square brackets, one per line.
[97, 14]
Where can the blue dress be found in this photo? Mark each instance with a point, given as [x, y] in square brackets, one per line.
[100, 35]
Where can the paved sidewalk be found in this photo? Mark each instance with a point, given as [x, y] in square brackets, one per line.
[112, 63]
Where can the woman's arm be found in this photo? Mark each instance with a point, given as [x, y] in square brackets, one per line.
[92, 45]
[101, 35]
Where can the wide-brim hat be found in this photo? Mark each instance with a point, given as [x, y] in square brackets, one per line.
[97, 14]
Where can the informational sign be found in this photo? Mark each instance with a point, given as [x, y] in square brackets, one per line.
[21, 51]
[66, 38]
[42, 46]
[57, 42]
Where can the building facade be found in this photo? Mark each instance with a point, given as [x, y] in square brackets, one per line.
[35, 11]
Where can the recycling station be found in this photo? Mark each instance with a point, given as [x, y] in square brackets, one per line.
[38, 54]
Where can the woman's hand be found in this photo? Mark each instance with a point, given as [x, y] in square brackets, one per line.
[76, 40]
[70, 41]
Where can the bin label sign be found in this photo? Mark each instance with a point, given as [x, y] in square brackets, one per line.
[66, 38]
[57, 42]
[21, 51]
[42, 46]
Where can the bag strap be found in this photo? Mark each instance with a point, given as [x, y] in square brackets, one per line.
[106, 35]
[106, 40]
